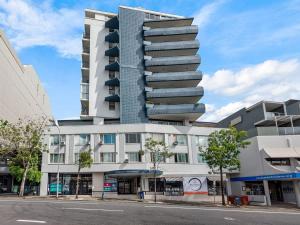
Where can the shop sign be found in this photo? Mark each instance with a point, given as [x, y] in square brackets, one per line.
[53, 187]
[195, 185]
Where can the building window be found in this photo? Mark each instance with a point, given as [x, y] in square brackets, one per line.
[159, 157]
[160, 185]
[133, 138]
[111, 90]
[134, 156]
[57, 158]
[202, 141]
[181, 158]
[157, 137]
[112, 74]
[83, 139]
[112, 106]
[279, 161]
[76, 158]
[181, 139]
[109, 138]
[108, 157]
[200, 158]
[55, 141]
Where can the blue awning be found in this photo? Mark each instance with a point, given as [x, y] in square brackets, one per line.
[282, 176]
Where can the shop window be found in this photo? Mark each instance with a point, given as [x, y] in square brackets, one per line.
[108, 157]
[83, 139]
[134, 156]
[112, 106]
[254, 188]
[133, 138]
[181, 158]
[214, 187]
[160, 185]
[174, 188]
[57, 158]
[109, 138]
[279, 161]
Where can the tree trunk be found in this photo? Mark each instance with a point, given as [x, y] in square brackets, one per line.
[155, 186]
[222, 185]
[22, 186]
[77, 183]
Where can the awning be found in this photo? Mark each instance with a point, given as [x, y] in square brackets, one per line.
[282, 152]
[173, 179]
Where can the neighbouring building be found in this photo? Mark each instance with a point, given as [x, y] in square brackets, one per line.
[270, 165]
[21, 96]
[139, 80]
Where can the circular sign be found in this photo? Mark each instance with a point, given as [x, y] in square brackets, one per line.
[195, 184]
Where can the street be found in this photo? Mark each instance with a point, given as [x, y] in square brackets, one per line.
[18, 212]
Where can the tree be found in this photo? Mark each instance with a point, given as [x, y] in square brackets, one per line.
[159, 152]
[223, 151]
[22, 145]
[85, 161]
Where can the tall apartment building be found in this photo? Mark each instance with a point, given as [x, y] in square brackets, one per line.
[140, 66]
[270, 165]
[21, 96]
[21, 92]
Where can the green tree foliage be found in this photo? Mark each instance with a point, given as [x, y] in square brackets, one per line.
[159, 152]
[21, 143]
[223, 151]
[85, 161]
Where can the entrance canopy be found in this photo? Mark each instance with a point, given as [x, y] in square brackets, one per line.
[132, 173]
[282, 152]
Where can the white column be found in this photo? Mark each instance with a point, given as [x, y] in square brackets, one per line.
[98, 183]
[44, 185]
[228, 186]
[267, 192]
[296, 184]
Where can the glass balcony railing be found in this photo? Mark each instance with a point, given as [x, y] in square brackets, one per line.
[274, 131]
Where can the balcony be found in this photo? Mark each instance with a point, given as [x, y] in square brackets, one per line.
[174, 96]
[173, 64]
[85, 65]
[112, 37]
[84, 108]
[174, 80]
[172, 34]
[85, 58]
[166, 23]
[84, 91]
[113, 66]
[113, 23]
[113, 98]
[112, 52]
[169, 49]
[175, 112]
[113, 82]
[85, 43]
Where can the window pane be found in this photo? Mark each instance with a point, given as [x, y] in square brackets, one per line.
[84, 139]
[158, 137]
[133, 157]
[200, 159]
[181, 139]
[54, 139]
[133, 138]
[109, 138]
[181, 158]
[107, 156]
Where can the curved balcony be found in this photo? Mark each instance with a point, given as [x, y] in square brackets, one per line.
[171, 34]
[174, 96]
[165, 23]
[112, 37]
[173, 64]
[113, 23]
[112, 98]
[176, 112]
[113, 66]
[113, 82]
[174, 80]
[112, 52]
[169, 49]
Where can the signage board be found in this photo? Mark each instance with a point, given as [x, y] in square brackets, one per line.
[195, 185]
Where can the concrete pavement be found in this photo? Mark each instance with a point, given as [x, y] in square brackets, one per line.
[131, 213]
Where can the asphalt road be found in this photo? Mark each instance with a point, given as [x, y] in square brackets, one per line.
[18, 212]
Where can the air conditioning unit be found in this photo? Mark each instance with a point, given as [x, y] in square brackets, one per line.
[175, 143]
[126, 158]
[62, 143]
[100, 142]
[88, 143]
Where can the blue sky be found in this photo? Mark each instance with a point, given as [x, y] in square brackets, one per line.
[250, 49]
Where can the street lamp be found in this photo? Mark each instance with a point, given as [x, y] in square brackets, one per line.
[57, 175]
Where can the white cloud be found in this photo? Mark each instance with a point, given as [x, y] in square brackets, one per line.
[201, 18]
[28, 24]
[270, 80]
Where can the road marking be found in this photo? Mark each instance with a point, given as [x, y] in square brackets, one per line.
[52, 202]
[224, 210]
[229, 218]
[31, 221]
[106, 210]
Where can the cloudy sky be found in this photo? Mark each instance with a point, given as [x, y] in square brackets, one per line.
[250, 49]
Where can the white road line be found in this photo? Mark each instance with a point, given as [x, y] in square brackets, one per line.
[52, 202]
[31, 221]
[224, 210]
[229, 218]
[106, 210]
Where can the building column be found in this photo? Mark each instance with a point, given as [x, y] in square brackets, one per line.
[44, 185]
[98, 183]
[296, 184]
[228, 186]
[267, 192]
